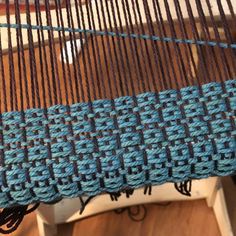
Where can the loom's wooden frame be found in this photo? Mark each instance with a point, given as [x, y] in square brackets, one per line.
[4, 31]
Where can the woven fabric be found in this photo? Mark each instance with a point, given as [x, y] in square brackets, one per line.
[109, 145]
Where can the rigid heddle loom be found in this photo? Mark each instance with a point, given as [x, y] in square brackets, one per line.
[109, 96]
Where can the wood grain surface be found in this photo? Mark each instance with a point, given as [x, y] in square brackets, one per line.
[103, 72]
[191, 218]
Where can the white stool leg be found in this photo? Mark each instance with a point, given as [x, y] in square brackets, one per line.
[46, 229]
[221, 213]
[211, 192]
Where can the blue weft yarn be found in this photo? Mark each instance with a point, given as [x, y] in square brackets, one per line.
[110, 145]
[120, 35]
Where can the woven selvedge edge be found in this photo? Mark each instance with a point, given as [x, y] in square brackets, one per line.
[109, 145]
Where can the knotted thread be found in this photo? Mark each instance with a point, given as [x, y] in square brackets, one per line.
[12, 217]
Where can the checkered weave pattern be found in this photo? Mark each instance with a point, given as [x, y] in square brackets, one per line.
[110, 145]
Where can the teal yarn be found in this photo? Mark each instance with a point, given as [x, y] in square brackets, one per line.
[110, 145]
[120, 35]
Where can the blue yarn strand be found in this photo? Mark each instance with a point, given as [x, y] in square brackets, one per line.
[122, 35]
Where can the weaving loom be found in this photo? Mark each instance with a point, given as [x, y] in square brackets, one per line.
[149, 98]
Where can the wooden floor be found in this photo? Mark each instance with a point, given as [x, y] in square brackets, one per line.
[230, 195]
[192, 218]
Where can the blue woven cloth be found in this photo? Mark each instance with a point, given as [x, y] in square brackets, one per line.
[109, 145]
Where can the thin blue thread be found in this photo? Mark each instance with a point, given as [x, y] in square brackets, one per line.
[123, 35]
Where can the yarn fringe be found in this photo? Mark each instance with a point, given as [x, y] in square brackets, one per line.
[11, 218]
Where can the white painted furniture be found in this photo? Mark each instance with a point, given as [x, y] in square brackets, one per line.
[48, 216]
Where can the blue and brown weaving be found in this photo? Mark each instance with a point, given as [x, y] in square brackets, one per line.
[111, 96]
[110, 145]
